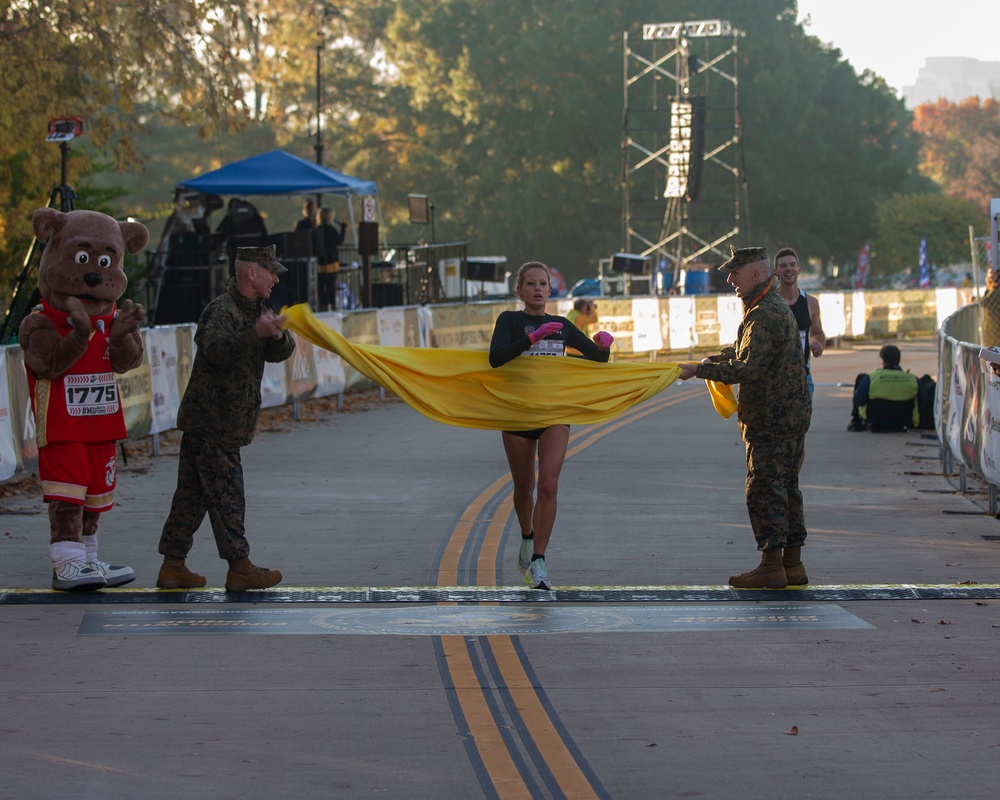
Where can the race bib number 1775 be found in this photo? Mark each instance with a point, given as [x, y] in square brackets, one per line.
[91, 395]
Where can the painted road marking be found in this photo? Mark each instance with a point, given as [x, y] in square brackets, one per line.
[333, 595]
[479, 621]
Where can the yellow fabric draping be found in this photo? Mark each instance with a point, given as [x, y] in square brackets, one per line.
[722, 398]
[459, 387]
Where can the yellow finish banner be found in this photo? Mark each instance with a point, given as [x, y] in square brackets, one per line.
[458, 387]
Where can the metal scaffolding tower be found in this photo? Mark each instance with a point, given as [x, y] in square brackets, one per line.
[683, 182]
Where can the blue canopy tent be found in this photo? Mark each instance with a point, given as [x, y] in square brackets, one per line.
[281, 173]
[278, 172]
[272, 173]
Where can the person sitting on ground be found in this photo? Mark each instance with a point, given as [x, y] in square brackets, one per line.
[885, 400]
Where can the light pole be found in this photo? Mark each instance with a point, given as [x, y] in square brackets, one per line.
[319, 107]
[327, 12]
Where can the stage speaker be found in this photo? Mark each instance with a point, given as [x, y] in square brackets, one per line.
[296, 244]
[698, 112]
[387, 294]
[368, 238]
[294, 286]
[182, 296]
[485, 271]
[626, 262]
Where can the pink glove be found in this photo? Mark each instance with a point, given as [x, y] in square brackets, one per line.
[546, 329]
[604, 340]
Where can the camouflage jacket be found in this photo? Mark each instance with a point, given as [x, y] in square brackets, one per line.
[768, 366]
[222, 401]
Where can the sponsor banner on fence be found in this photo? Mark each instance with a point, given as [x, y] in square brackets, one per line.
[330, 378]
[917, 311]
[161, 352]
[956, 401]
[854, 314]
[991, 427]
[971, 429]
[615, 317]
[300, 371]
[136, 391]
[274, 385]
[464, 327]
[185, 357]
[22, 419]
[707, 327]
[646, 319]
[680, 323]
[361, 328]
[424, 323]
[391, 327]
[8, 454]
[831, 314]
[730, 317]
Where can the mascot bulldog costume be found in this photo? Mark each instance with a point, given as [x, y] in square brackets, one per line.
[74, 343]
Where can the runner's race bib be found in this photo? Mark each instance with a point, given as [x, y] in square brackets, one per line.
[546, 347]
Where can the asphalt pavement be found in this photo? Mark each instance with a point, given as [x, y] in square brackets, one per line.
[403, 656]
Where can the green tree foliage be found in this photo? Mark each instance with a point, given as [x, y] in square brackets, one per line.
[902, 221]
[508, 115]
[823, 144]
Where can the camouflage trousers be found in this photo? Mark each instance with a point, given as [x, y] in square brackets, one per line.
[209, 480]
[774, 501]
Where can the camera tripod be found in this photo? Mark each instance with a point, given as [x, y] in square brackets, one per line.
[17, 307]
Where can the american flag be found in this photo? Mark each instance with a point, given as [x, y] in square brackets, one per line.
[925, 266]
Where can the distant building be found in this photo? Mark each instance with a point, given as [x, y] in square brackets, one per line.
[954, 79]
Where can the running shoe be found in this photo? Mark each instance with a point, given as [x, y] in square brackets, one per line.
[524, 555]
[537, 575]
[114, 575]
[77, 576]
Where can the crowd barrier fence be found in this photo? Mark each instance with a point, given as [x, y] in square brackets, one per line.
[151, 393]
[967, 404]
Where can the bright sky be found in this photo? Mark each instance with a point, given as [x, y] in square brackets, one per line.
[893, 37]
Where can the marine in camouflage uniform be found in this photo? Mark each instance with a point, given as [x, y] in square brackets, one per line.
[219, 414]
[774, 415]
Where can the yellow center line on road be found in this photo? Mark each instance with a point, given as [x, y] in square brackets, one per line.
[499, 765]
[448, 568]
[551, 746]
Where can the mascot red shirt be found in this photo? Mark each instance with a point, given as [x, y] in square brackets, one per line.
[81, 405]
[74, 343]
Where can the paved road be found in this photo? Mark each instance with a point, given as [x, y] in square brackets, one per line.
[644, 677]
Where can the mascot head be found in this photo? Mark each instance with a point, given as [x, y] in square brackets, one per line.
[83, 257]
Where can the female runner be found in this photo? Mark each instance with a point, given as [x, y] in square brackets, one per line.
[532, 332]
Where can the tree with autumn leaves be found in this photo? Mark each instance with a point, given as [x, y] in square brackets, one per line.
[960, 158]
[960, 149]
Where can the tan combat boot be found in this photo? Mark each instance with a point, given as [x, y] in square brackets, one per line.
[243, 575]
[795, 571]
[769, 575]
[174, 574]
